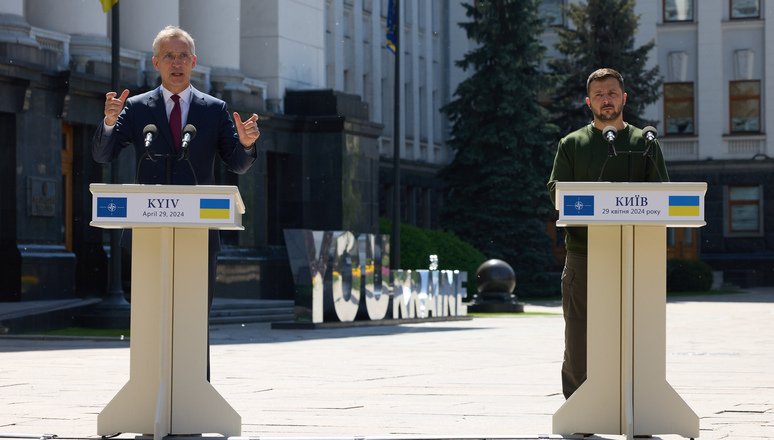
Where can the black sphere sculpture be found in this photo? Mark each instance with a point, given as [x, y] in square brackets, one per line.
[495, 280]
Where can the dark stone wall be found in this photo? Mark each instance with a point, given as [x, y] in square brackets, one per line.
[36, 263]
[745, 261]
[317, 168]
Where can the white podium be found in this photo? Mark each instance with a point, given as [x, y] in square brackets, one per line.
[167, 392]
[626, 391]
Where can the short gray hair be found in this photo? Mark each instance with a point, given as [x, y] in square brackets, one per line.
[173, 32]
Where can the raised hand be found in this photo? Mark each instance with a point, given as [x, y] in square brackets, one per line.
[247, 130]
[113, 106]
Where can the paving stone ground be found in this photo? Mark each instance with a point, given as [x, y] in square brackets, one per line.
[485, 378]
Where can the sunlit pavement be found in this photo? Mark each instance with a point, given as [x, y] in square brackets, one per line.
[494, 377]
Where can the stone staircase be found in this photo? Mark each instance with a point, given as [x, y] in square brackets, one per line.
[242, 311]
[40, 316]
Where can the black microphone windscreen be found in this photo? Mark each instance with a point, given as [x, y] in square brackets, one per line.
[189, 129]
[609, 133]
[649, 132]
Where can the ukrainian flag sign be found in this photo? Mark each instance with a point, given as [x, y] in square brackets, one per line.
[672, 204]
[684, 206]
[214, 208]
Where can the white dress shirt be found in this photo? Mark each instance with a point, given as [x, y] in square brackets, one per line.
[185, 105]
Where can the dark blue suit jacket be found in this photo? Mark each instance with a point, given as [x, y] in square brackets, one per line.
[215, 134]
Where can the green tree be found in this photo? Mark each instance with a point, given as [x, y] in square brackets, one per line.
[496, 197]
[601, 35]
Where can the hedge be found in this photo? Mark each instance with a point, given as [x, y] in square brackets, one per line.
[417, 244]
[688, 276]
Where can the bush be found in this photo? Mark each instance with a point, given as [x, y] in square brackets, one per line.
[688, 276]
[417, 244]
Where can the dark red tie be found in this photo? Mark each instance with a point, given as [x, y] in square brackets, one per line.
[175, 123]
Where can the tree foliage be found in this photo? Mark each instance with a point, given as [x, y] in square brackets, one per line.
[496, 197]
[601, 34]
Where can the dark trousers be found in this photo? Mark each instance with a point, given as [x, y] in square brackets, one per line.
[574, 295]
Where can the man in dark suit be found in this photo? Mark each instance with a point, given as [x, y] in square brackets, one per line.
[174, 58]
[170, 107]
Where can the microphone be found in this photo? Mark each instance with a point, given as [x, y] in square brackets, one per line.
[649, 133]
[189, 132]
[149, 133]
[610, 133]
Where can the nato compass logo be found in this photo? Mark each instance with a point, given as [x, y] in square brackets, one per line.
[578, 205]
[111, 207]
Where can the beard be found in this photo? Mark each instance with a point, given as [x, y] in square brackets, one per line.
[615, 114]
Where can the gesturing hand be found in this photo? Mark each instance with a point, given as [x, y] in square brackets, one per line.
[247, 130]
[113, 106]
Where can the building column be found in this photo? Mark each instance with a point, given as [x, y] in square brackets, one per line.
[15, 32]
[337, 45]
[141, 20]
[429, 78]
[68, 16]
[14, 7]
[215, 27]
[646, 32]
[357, 48]
[416, 80]
[711, 86]
[378, 36]
[401, 82]
[84, 21]
[283, 44]
[768, 80]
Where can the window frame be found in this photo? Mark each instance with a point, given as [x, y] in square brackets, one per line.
[728, 214]
[732, 99]
[692, 100]
[747, 17]
[561, 18]
[664, 18]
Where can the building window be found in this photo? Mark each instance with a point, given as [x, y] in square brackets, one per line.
[743, 210]
[552, 11]
[745, 102]
[745, 9]
[678, 108]
[678, 10]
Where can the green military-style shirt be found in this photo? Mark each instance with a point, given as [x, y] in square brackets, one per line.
[581, 156]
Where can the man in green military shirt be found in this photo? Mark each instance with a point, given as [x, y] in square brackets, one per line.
[583, 156]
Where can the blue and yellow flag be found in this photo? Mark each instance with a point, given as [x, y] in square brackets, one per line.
[392, 28]
[214, 208]
[684, 206]
[107, 4]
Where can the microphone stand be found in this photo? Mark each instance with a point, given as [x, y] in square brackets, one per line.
[145, 156]
[169, 168]
[630, 153]
[184, 157]
[610, 153]
[649, 154]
